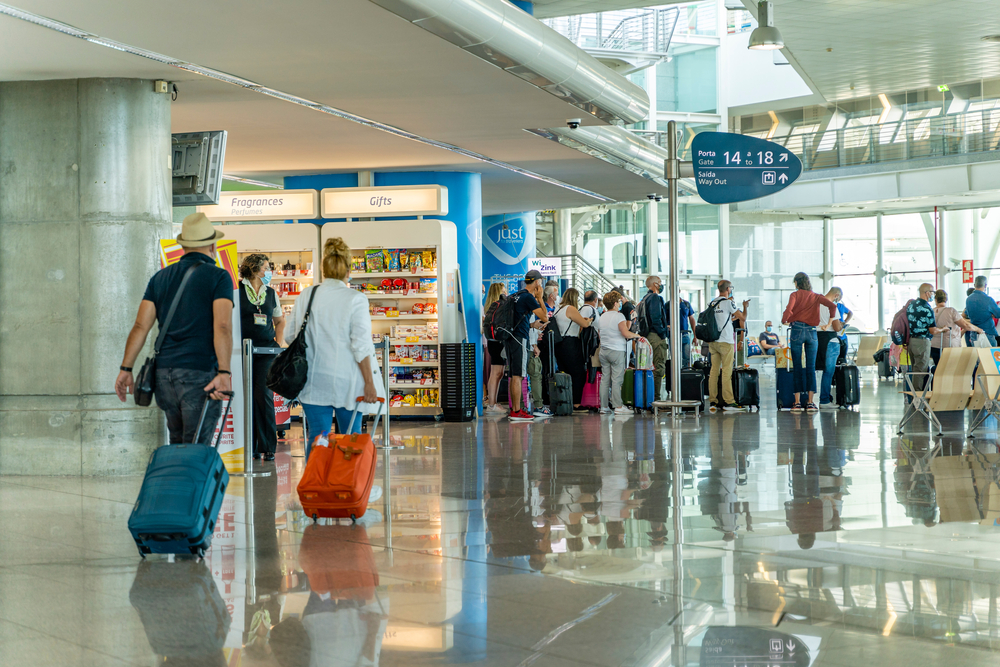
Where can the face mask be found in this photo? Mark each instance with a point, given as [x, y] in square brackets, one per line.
[768, 328]
[267, 278]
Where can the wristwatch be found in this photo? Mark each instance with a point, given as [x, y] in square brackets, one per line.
[222, 372]
[127, 369]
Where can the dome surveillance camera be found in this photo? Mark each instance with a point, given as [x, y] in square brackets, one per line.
[573, 123]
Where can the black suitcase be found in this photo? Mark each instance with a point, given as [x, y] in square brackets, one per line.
[180, 497]
[180, 608]
[848, 385]
[561, 394]
[693, 385]
[885, 370]
[746, 387]
[785, 387]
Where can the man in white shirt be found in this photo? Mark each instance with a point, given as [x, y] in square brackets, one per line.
[723, 350]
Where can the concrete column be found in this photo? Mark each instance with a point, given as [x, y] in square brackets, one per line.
[85, 197]
[827, 254]
[562, 232]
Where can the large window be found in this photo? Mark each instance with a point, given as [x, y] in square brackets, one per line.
[617, 243]
[687, 82]
[698, 250]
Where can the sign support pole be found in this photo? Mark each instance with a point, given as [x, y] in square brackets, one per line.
[673, 169]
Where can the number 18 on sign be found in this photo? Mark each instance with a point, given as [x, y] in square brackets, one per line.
[734, 167]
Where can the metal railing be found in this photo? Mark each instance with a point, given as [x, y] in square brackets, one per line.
[583, 275]
[937, 136]
[640, 31]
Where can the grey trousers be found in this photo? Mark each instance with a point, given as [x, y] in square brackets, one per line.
[612, 376]
[180, 393]
[919, 350]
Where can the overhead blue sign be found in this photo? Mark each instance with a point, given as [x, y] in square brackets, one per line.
[735, 167]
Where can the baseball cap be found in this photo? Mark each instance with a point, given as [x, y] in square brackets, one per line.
[532, 276]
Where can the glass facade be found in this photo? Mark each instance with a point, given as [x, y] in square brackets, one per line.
[617, 243]
[699, 239]
[687, 82]
[765, 251]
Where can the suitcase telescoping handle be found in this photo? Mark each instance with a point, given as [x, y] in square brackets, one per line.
[361, 399]
[225, 413]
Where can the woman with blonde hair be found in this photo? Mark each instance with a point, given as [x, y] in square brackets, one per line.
[952, 322]
[569, 351]
[338, 328]
[498, 292]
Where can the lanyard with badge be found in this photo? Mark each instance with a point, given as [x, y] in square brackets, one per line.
[259, 318]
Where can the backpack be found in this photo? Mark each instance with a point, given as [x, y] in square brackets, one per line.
[553, 336]
[489, 317]
[504, 320]
[707, 328]
[900, 331]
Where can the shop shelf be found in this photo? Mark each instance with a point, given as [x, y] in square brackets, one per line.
[370, 295]
[403, 341]
[405, 317]
[430, 385]
[395, 274]
[415, 364]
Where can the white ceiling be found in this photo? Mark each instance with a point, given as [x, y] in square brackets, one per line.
[350, 54]
[887, 46]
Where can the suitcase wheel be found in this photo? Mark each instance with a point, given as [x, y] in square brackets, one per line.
[315, 518]
[354, 519]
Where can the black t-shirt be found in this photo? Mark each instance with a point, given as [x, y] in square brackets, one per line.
[524, 304]
[261, 335]
[769, 338]
[190, 342]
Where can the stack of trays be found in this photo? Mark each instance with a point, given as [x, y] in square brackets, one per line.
[458, 381]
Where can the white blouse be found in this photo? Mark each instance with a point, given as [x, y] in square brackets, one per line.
[339, 335]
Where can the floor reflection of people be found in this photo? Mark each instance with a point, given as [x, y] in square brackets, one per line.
[717, 491]
[913, 480]
[817, 498]
[345, 619]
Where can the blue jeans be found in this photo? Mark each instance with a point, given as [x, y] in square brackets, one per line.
[319, 418]
[803, 336]
[830, 365]
[685, 349]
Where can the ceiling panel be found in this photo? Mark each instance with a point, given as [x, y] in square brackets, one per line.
[856, 48]
[350, 54]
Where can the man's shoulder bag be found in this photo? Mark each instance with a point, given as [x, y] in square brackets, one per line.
[290, 369]
[145, 381]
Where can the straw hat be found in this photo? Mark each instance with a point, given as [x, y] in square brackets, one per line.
[197, 231]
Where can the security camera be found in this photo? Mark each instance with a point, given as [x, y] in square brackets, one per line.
[573, 123]
[654, 197]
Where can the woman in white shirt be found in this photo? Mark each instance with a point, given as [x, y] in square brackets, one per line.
[950, 319]
[614, 336]
[569, 352]
[339, 333]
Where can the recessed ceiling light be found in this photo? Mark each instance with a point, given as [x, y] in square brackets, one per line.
[991, 38]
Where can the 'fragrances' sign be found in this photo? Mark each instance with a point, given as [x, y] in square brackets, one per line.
[264, 205]
[385, 202]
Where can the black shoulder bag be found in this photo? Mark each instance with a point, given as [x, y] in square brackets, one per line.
[145, 381]
[290, 369]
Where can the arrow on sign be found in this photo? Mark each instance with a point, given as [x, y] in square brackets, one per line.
[790, 644]
[783, 178]
[783, 158]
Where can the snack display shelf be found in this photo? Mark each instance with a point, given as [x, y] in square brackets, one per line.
[422, 341]
[415, 364]
[376, 295]
[429, 385]
[275, 278]
[416, 410]
[404, 317]
[395, 274]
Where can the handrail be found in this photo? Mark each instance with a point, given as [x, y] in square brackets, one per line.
[644, 31]
[905, 139]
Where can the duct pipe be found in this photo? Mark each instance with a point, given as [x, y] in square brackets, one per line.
[503, 35]
[562, 232]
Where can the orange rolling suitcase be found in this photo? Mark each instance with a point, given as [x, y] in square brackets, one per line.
[338, 476]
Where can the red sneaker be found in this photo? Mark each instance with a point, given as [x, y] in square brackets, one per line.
[520, 416]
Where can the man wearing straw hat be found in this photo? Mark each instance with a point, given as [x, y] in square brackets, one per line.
[195, 355]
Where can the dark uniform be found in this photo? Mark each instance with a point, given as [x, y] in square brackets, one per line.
[265, 437]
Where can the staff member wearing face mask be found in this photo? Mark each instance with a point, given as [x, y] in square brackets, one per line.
[769, 341]
[263, 322]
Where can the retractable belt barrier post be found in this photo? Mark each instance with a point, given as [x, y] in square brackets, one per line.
[248, 351]
[386, 447]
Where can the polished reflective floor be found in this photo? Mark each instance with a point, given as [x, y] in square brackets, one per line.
[753, 540]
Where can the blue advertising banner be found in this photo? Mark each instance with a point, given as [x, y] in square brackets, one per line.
[508, 244]
[735, 167]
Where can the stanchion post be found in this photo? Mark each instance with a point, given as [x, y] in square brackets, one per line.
[676, 354]
[386, 448]
[248, 470]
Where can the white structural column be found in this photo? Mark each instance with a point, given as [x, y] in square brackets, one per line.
[957, 231]
[562, 232]
[652, 241]
[85, 197]
[880, 272]
[827, 254]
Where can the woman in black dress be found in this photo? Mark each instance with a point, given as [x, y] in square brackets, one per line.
[263, 322]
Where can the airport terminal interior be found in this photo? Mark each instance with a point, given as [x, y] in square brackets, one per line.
[454, 145]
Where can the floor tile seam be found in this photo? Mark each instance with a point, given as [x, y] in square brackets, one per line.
[50, 636]
[68, 493]
[528, 649]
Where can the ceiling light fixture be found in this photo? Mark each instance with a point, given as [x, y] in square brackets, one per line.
[765, 36]
[774, 125]
[250, 181]
[886, 107]
[252, 86]
[990, 38]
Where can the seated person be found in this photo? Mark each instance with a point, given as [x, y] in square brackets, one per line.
[769, 342]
